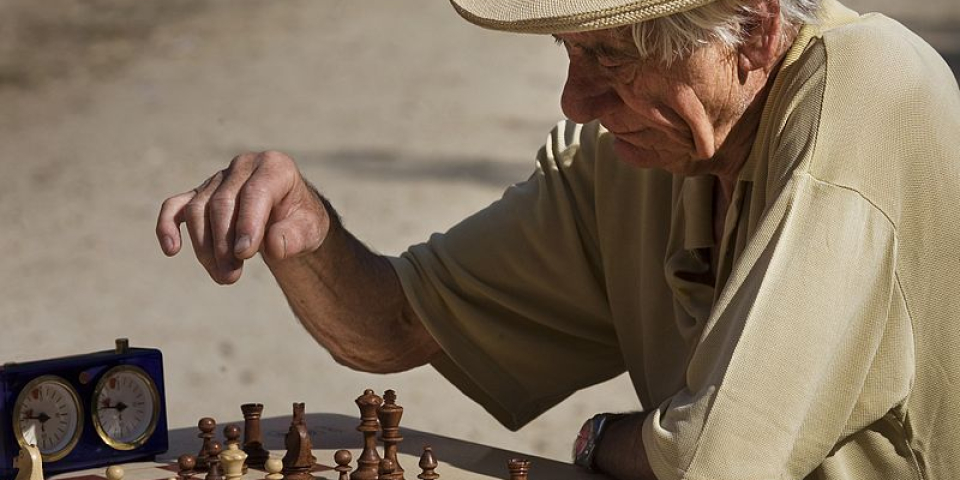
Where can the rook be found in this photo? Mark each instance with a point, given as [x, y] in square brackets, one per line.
[252, 441]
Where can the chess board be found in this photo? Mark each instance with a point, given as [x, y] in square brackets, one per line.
[458, 459]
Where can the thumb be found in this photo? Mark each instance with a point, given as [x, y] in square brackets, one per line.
[298, 234]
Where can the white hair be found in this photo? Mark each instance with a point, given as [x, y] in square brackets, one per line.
[668, 39]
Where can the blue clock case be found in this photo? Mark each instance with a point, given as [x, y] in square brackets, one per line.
[82, 372]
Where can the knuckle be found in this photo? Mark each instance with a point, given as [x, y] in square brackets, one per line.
[257, 188]
[221, 200]
[274, 158]
[195, 208]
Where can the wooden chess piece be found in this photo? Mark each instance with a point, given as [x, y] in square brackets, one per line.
[232, 435]
[389, 415]
[274, 467]
[368, 465]
[252, 439]
[343, 458]
[428, 463]
[519, 468]
[387, 469]
[186, 464]
[213, 462]
[114, 472]
[206, 425]
[233, 460]
[299, 460]
[29, 463]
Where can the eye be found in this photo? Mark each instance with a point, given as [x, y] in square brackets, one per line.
[608, 61]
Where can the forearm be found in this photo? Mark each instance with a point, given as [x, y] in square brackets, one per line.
[621, 454]
[350, 300]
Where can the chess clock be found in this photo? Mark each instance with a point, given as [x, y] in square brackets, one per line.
[84, 411]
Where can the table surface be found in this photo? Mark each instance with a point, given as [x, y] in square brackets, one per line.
[458, 459]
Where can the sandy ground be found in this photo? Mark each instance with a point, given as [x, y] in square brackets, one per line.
[405, 116]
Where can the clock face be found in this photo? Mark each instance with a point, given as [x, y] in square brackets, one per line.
[126, 407]
[48, 414]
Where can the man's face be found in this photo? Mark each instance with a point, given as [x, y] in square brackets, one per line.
[671, 117]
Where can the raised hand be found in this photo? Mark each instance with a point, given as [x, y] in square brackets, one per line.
[259, 203]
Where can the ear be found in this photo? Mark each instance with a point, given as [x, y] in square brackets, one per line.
[762, 34]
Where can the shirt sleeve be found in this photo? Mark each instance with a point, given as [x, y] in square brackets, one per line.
[514, 293]
[808, 343]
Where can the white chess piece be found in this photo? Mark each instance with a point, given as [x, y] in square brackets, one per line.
[274, 466]
[232, 460]
[29, 464]
[114, 472]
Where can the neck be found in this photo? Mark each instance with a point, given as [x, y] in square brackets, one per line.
[733, 154]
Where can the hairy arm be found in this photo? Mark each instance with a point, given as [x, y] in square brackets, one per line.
[349, 298]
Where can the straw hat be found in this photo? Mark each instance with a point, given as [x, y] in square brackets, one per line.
[564, 16]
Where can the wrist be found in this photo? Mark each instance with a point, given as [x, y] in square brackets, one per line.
[588, 439]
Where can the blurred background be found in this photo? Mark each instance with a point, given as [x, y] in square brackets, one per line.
[405, 116]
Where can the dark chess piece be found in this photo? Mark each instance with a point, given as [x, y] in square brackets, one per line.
[343, 458]
[252, 439]
[368, 465]
[519, 468]
[206, 425]
[213, 462]
[299, 459]
[232, 435]
[186, 464]
[389, 415]
[428, 463]
[387, 469]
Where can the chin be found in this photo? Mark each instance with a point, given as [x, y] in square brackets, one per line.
[675, 162]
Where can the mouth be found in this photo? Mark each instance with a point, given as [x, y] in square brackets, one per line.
[655, 138]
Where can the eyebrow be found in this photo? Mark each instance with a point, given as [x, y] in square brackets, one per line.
[598, 50]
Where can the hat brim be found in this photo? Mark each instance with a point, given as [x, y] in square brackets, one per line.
[548, 17]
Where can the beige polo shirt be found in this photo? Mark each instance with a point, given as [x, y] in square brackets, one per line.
[818, 338]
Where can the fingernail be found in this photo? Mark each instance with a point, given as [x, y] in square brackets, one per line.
[167, 244]
[243, 243]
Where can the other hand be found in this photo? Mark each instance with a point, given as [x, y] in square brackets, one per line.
[259, 203]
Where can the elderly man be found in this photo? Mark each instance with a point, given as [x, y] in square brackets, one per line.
[753, 210]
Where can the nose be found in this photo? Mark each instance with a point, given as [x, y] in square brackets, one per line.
[587, 94]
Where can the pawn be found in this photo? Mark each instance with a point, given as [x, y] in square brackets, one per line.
[232, 460]
[232, 434]
[428, 463]
[519, 468]
[387, 469]
[274, 466]
[114, 472]
[213, 462]
[343, 459]
[186, 464]
[206, 425]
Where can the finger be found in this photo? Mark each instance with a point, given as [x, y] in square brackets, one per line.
[169, 220]
[195, 216]
[292, 236]
[268, 185]
[222, 212]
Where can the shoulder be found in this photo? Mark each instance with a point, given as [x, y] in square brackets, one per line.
[878, 56]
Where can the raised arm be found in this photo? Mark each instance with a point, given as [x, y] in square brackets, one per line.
[345, 295]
